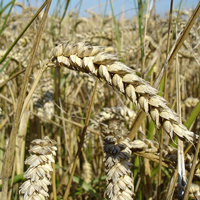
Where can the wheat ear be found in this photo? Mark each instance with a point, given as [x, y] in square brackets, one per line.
[38, 173]
[94, 60]
[118, 174]
[113, 113]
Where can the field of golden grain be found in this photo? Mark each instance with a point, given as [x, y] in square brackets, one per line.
[99, 107]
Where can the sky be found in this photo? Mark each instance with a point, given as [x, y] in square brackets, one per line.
[103, 6]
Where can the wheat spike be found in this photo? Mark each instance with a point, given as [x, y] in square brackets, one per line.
[109, 114]
[106, 66]
[113, 113]
[87, 172]
[38, 173]
[119, 176]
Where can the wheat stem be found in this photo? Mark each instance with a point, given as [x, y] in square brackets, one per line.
[54, 182]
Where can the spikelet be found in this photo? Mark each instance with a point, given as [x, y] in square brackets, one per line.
[118, 173]
[106, 67]
[39, 171]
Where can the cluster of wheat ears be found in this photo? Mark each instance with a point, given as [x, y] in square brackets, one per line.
[96, 92]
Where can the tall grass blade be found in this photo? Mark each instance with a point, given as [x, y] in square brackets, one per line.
[8, 14]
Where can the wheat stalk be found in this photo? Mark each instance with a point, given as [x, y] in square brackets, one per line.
[38, 173]
[94, 60]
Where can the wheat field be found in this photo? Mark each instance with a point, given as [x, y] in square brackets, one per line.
[99, 107]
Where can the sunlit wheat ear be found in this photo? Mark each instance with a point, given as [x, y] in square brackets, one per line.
[39, 171]
[118, 173]
[94, 60]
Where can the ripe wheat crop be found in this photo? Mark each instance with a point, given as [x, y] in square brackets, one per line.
[99, 107]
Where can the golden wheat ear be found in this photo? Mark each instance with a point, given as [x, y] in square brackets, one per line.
[94, 60]
[39, 171]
